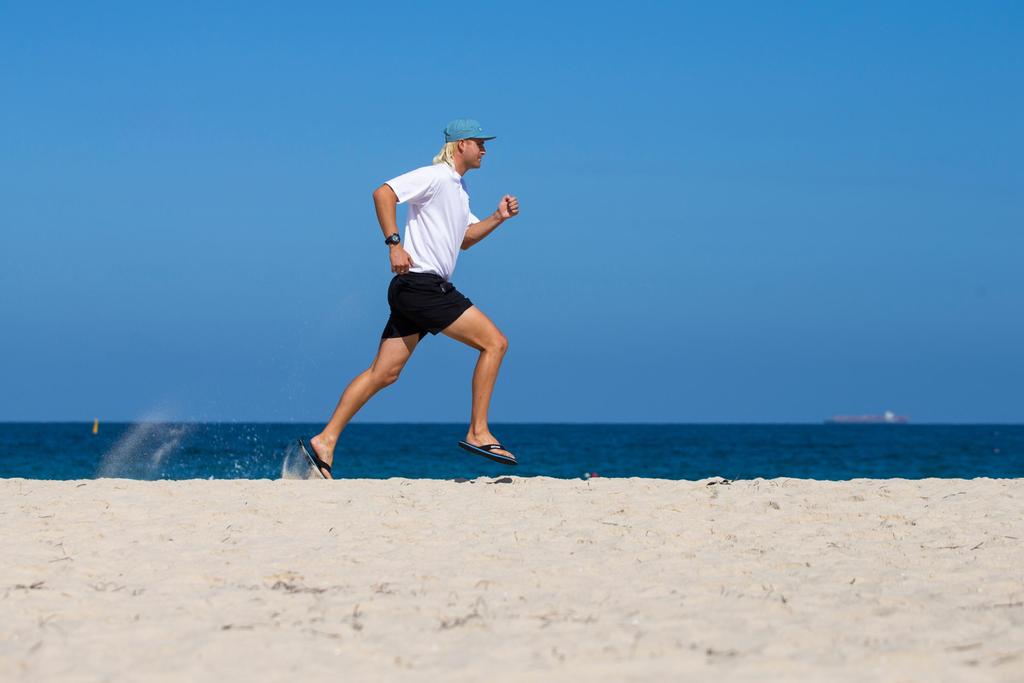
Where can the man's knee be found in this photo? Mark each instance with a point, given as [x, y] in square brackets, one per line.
[498, 343]
[385, 378]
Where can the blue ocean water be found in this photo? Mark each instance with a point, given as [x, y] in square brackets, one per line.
[239, 450]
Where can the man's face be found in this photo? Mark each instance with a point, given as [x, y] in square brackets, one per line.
[472, 152]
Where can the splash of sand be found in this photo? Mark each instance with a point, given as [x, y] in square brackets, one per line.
[140, 453]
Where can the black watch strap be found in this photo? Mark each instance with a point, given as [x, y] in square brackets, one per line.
[392, 239]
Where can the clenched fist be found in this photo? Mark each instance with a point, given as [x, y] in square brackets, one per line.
[508, 207]
[401, 262]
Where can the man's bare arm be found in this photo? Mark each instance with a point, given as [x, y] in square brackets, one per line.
[507, 208]
[386, 202]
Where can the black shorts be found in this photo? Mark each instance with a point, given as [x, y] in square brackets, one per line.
[421, 303]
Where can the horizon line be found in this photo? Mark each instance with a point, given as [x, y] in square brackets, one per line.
[822, 422]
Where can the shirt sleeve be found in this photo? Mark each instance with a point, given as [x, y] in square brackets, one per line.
[415, 186]
[472, 219]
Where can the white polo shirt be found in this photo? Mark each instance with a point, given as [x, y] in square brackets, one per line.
[439, 216]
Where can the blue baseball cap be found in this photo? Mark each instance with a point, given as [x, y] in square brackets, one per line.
[464, 129]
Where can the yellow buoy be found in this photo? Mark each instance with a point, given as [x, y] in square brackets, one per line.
[95, 426]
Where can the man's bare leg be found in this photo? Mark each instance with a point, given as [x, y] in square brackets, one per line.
[476, 329]
[392, 355]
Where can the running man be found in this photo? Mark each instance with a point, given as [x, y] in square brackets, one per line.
[421, 295]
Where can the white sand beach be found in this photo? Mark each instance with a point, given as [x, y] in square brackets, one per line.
[512, 579]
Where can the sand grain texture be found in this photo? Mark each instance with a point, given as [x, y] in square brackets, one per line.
[514, 579]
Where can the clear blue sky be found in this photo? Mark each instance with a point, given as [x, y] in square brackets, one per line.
[731, 211]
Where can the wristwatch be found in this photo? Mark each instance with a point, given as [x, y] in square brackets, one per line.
[392, 239]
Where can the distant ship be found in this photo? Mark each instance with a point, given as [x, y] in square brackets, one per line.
[886, 418]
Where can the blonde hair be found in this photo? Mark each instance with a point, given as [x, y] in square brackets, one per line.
[447, 153]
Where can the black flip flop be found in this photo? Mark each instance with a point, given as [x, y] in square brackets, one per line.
[314, 459]
[487, 452]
